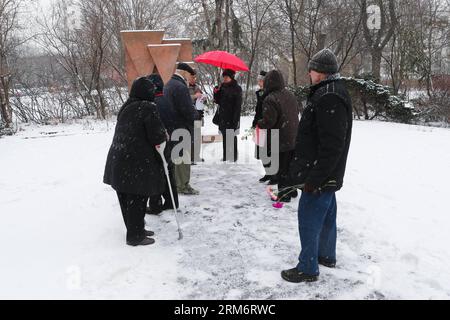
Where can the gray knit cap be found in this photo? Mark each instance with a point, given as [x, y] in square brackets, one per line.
[324, 61]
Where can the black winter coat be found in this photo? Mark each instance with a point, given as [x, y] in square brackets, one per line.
[258, 116]
[133, 165]
[324, 137]
[280, 110]
[229, 99]
[259, 107]
[176, 92]
[167, 114]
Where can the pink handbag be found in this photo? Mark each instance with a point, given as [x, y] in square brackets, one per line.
[260, 137]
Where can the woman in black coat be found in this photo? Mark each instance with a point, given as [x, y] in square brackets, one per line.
[134, 168]
[228, 117]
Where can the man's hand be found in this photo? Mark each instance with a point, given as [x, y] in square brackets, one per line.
[309, 189]
[161, 147]
[198, 95]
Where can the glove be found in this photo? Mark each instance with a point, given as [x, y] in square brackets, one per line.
[161, 147]
[201, 113]
[216, 89]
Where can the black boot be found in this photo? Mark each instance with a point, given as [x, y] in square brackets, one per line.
[154, 210]
[295, 276]
[145, 242]
[264, 179]
[327, 263]
[149, 233]
[155, 205]
[168, 206]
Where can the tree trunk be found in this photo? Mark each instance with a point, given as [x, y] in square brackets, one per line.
[376, 64]
[216, 35]
[5, 106]
[227, 26]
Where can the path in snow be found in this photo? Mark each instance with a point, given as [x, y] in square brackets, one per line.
[62, 234]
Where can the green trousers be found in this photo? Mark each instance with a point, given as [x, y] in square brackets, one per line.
[182, 175]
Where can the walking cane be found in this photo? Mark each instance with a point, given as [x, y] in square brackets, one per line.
[160, 148]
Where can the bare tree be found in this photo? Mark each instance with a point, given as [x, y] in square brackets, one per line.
[377, 40]
[80, 49]
[293, 10]
[257, 18]
[434, 36]
[9, 24]
[97, 41]
[85, 73]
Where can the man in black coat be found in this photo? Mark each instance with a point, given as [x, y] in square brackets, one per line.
[167, 115]
[280, 112]
[133, 167]
[229, 98]
[319, 165]
[176, 91]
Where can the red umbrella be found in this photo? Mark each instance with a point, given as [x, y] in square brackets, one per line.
[222, 59]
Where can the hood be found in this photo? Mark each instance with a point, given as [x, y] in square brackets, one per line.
[274, 81]
[143, 89]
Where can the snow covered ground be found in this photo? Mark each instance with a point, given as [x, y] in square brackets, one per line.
[62, 234]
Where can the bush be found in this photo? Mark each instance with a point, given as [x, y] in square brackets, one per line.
[434, 109]
[370, 100]
[6, 131]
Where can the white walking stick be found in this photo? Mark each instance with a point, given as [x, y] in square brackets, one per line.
[160, 148]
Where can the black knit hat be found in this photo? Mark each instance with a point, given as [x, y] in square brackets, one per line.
[324, 61]
[229, 73]
[186, 67]
[143, 89]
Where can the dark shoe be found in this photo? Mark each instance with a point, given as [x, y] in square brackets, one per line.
[167, 206]
[154, 211]
[296, 276]
[327, 263]
[264, 179]
[145, 242]
[149, 233]
[189, 191]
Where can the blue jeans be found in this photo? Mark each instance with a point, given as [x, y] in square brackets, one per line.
[318, 231]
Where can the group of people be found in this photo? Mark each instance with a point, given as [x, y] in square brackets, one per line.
[312, 151]
[134, 167]
[312, 156]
